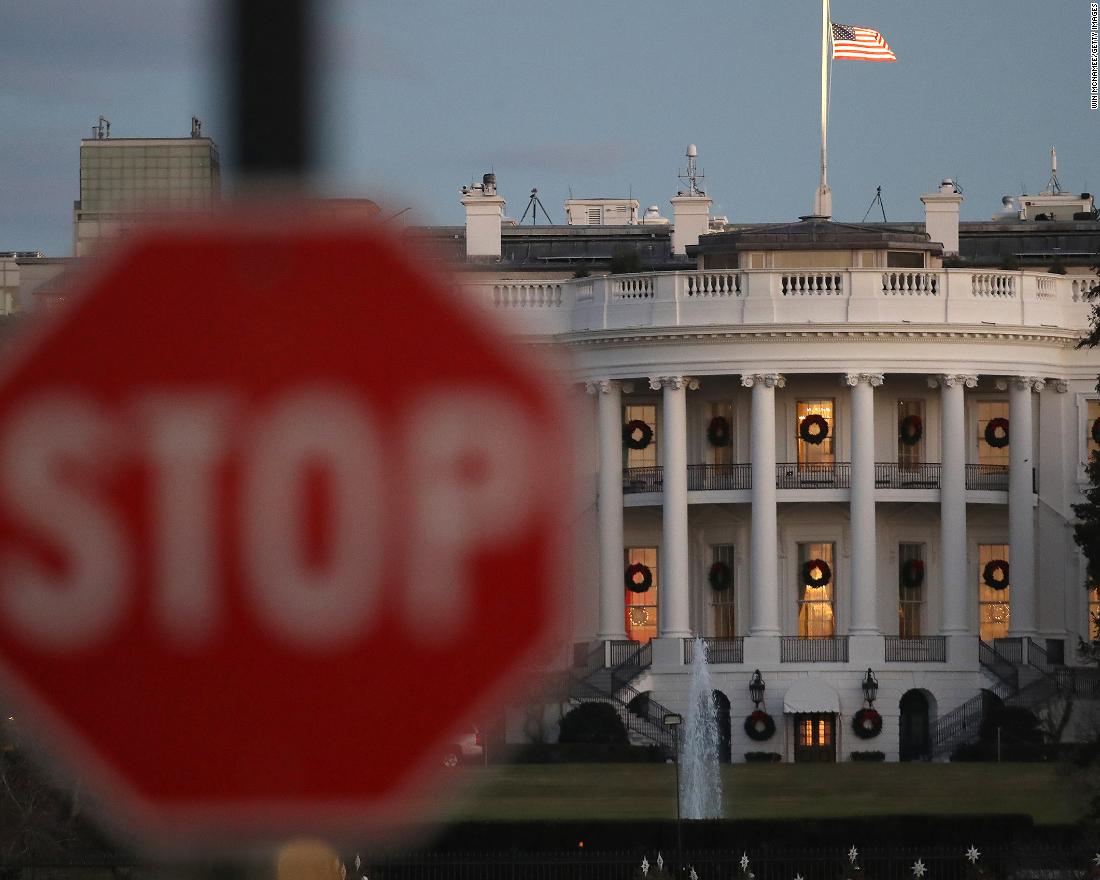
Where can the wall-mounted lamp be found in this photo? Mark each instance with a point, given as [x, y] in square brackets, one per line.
[756, 688]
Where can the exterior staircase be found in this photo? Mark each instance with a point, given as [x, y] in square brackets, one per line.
[605, 675]
[1020, 673]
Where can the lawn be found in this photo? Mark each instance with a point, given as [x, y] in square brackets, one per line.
[1050, 793]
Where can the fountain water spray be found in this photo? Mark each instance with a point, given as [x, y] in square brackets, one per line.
[700, 782]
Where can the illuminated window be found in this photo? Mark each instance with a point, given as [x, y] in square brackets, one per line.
[987, 411]
[1093, 414]
[641, 608]
[816, 612]
[719, 410]
[722, 601]
[1094, 613]
[910, 425]
[992, 602]
[811, 453]
[911, 574]
[642, 457]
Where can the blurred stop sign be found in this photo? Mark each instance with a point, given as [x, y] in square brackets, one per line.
[276, 516]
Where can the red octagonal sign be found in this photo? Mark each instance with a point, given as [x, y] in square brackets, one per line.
[276, 516]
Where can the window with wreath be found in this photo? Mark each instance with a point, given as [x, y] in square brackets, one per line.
[910, 589]
[994, 584]
[719, 432]
[1094, 613]
[816, 590]
[992, 419]
[646, 455]
[815, 430]
[910, 433]
[641, 593]
[1092, 427]
[721, 588]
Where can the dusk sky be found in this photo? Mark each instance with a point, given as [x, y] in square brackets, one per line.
[423, 96]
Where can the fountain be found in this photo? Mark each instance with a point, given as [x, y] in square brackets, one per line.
[700, 781]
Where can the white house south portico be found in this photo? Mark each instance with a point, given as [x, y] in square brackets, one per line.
[826, 449]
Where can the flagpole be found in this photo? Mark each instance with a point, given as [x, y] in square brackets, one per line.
[823, 198]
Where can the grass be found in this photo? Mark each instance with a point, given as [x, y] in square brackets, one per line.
[1050, 793]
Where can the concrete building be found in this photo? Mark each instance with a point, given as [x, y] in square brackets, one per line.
[844, 454]
[125, 180]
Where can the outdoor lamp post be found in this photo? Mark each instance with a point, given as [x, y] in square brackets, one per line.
[756, 688]
[675, 721]
[870, 687]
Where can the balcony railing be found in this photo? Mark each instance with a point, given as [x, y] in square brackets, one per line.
[798, 649]
[990, 477]
[641, 479]
[925, 475]
[794, 475]
[726, 650]
[717, 477]
[834, 475]
[924, 649]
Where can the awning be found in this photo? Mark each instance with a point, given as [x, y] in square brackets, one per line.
[810, 695]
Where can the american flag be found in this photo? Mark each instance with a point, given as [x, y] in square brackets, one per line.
[863, 44]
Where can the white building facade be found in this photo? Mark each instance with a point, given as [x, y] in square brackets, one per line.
[827, 454]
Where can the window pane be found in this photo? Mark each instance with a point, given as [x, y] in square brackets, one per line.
[1092, 416]
[810, 453]
[816, 612]
[722, 601]
[642, 457]
[992, 603]
[720, 454]
[987, 411]
[910, 596]
[641, 608]
[909, 412]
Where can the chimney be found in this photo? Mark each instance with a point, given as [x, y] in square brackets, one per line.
[941, 215]
[484, 210]
[690, 219]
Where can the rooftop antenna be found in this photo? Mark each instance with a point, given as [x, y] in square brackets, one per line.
[1053, 184]
[534, 204]
[692, 175]
[102, 131]
[196, 127]
[877, 199]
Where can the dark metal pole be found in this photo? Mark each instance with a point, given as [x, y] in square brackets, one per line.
[679, 839]
[271, 86]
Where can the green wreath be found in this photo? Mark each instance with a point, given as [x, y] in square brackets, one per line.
[912, 573]
[759, 725]
[825, 574]
[720, 576]
[813, 429]
[636, 571]
[867, 723]
[996, 433]
[718, 431]
[644, 432]
[990, 573]
[911, 430]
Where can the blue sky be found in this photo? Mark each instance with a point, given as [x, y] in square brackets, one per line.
[422, 96]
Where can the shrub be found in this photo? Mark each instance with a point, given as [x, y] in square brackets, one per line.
[868, 756]
[593, 723]
[588, 753]
[1056, 268]
[763, 757]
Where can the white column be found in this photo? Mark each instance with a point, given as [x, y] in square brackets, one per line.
[954, 578]
[609, 419]
[763, 565]
[1023, 617]
[862, 507]
[674, 614]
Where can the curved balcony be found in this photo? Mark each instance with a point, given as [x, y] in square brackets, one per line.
[763, 296]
